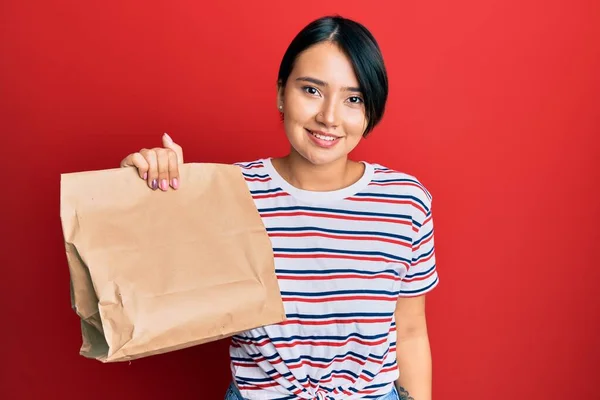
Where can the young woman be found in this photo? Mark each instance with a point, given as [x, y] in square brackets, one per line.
[353, 241]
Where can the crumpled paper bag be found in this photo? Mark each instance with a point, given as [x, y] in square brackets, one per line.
[153, 272]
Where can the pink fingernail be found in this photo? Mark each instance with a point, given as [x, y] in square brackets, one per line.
[145, 175]
[175, 183]
[163, 184]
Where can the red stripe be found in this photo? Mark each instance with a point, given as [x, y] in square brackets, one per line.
[340, 376]
[257, 386]
[389, 369]
[326, 365]
[396, 184]
[335, 276]
[247, 364]
[254, 166]
[423, 242]
[401, 184]
[338, 298]
[345, 217]
[389, 201]
[427, 219]
[329, 343]
[424, 259]
[335, 321]
[268, 196]
[345, 237]
[345, 257]
[297, 342]
[362, 392]
[257, 179]
[420, 278]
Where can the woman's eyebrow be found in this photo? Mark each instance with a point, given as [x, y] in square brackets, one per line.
[319, 82]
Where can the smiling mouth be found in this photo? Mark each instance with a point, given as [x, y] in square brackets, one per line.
[328, 138]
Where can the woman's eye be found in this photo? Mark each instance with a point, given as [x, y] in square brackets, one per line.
[311, 90]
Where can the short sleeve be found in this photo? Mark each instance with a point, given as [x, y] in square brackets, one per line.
[422, 275]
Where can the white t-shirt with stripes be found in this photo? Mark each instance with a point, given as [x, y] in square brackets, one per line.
[342, 258]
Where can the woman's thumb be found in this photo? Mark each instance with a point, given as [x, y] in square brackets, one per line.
[170, 144]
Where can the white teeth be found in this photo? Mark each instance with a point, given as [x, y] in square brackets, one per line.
[328, 138]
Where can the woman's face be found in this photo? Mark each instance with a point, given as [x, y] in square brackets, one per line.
[324, 113]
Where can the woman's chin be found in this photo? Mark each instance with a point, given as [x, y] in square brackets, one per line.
[321, 158]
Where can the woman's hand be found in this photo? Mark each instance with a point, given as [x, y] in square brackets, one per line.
[159, 166]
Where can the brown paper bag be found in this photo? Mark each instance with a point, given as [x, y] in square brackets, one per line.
[154, 271]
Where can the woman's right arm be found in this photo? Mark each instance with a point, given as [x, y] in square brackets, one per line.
[158, 166]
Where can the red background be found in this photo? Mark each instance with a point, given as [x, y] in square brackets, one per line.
[494, 105]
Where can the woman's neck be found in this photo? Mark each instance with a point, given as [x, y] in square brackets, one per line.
[302, 174]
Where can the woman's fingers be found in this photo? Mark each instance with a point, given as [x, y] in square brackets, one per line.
[136, 160]
[152, 160]
[162, 157]
[173, 170]
[168, 143]
[159, 167]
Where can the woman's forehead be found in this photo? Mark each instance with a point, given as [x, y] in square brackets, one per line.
[328, 63]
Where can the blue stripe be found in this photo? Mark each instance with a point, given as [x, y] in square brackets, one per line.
[337, 231]
[333, 211]
[327, 376]
[394, 196]
[250, 164]
[266, 191]
[408, 276]
[338, 251]
[254, 338]
[247, 379]
[424, 237]
[315, 359]
[423, 255]
[423, 289]
[334, 271]
[293, 338]
[243, 380]
[340, 292]
[369, 373]
[274, 356]
[254, 175]
[275, 372]
[338, 371]
[325, 360]
[340, 315]
[395, 180]
[377, 386]
[416, 182]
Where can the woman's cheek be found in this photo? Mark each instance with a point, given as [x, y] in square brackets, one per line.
[355, 122]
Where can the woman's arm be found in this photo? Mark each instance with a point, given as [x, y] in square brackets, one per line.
[412, 349]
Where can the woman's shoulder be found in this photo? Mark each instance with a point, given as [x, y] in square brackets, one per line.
[251, 165]
[395, 182]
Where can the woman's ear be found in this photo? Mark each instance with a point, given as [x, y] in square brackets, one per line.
[280, 92]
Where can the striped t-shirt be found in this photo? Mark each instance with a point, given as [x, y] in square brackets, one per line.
[342, 258]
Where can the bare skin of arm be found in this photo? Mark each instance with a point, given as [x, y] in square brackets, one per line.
[413, 350]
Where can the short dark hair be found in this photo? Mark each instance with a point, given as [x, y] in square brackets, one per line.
[357, 42]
